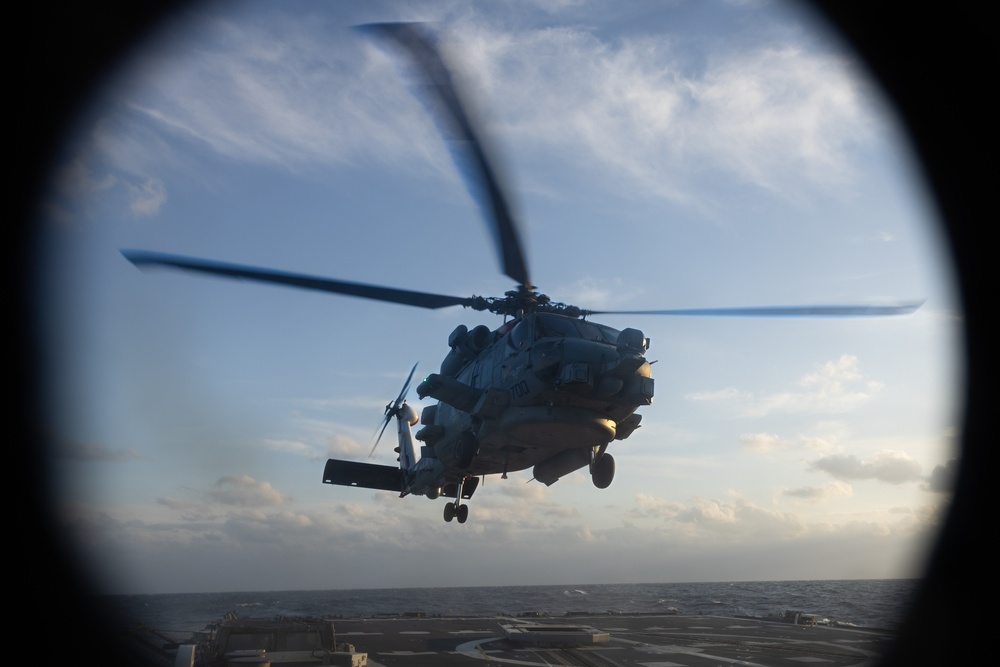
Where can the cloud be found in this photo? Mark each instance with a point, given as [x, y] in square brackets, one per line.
[147, 198]
[287, 94]
[942, 478]
[774, 110]
[772, 115]
[817, 443]
[727, 394]
[830, 433]
[74, 189]
[891, 466]
[835, 386]
[177, 504]
[834, 489]
[273, 528]
[77, 180]
[716, 519]
[89, 451]
[762, 442]
[341, 445]
[245, 491]
[360, 544]
[596, 292]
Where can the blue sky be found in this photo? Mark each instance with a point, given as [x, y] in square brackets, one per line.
[661, 155]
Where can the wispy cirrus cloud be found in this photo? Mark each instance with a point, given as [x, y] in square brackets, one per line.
[147, 198]
[96, 452]
[293, 95]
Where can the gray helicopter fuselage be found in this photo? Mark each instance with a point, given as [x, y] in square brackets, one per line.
[542, 390]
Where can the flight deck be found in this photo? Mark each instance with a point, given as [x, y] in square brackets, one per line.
[609, 641]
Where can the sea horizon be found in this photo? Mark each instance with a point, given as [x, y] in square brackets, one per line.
[877, 603]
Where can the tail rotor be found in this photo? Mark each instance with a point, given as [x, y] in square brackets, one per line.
[392, 408]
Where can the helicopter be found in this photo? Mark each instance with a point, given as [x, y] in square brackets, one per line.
[549, 389]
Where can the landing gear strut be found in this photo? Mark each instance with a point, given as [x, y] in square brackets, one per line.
[456, 509]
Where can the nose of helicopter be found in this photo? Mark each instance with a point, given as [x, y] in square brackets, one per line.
[606, 372]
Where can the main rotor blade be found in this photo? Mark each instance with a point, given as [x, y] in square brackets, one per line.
[407, 297]
[778, 311]
[464, 140]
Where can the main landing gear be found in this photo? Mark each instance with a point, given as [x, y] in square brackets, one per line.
[602, 469]
[456, 510]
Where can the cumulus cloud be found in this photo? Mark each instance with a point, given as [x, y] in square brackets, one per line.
[713, 518]
[817, 443]
[246, 491]
[942, 478]
[341, 445]
[762, 442]
[835, 386]
[891, 466]
[834, 489]
[176, 503]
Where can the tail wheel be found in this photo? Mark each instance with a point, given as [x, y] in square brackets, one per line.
[603, 471]
[449, 512]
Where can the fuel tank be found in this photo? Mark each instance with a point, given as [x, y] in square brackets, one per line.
[550, 470]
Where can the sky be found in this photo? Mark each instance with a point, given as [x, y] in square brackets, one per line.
[660, 155]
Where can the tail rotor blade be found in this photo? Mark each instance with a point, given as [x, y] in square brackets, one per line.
[392, 409]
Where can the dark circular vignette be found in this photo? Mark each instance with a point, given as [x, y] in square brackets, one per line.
[932, 64]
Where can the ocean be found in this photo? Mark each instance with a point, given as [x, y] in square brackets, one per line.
[873, 603]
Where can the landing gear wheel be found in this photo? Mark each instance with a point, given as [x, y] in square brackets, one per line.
[449, 512]
[462, 513]
[603, 471]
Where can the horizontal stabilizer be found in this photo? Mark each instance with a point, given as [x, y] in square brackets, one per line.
[363, 475]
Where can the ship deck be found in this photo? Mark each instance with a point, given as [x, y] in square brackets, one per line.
[646, 640]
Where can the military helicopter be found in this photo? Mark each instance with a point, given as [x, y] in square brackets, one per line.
[548, 389]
